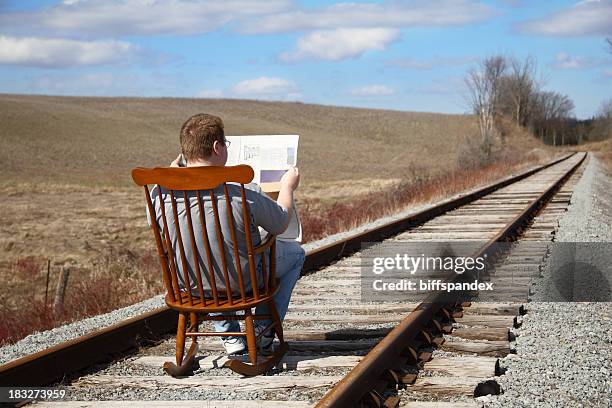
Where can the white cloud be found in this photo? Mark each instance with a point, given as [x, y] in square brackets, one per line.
[386, 14]
[584, 18]
[373, 90]
[334, 45]
[139, 17]
[566, 61]
[44, 52]
[437, 62]
[267, 88]
[115, 18]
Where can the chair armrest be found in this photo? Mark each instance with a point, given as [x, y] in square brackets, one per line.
[268, 241]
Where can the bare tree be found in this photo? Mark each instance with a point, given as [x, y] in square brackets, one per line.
[519, 87]
[609, 41]
[501, 86]
[484, 86]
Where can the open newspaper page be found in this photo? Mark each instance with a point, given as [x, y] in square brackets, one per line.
[270, 156]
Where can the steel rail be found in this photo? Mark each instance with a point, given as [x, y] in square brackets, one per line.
[386, 354]
[61, 361]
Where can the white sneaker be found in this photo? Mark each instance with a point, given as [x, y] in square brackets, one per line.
[233, 345]
[265, 341]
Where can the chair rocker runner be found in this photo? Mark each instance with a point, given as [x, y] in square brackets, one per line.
[181, 196]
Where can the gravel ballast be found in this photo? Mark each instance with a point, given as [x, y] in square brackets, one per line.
[564, 349]
[568, 357]
[41, 340]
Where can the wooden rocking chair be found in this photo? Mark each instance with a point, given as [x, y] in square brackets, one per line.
[178, 182]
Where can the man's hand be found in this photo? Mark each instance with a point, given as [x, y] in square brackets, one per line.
[291, 179]
[175, 162]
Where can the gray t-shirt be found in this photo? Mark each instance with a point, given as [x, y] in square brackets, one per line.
[265, 213]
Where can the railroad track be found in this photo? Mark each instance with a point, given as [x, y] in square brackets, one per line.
[343, 352]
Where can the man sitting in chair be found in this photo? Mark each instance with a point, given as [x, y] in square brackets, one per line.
[203, 144]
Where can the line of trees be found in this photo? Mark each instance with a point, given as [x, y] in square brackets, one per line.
[503, 86]
[506, 87]
[600, 127]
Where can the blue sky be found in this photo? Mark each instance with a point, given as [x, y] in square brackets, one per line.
[405, 55]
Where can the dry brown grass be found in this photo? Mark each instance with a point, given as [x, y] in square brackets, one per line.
[602, 149]
[322, 218]
[116, 279]
[68, 196]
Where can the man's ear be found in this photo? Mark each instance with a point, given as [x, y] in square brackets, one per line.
[217, 147]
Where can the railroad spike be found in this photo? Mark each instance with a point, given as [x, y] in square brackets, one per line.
[446, 313]
[383, 383]
[392, 402]
[444, 320]
[425, 337]
[489, 387]
[499, 370]
[392, 377]
[409, 378]
[511, 336]
[372, 399]
[436, 325]
[425, 356]
[438, 341]
[411, 354]
[457, 314]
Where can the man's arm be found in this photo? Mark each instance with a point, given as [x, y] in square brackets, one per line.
[288, 184]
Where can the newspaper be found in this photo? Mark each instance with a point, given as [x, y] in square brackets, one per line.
[270, 156]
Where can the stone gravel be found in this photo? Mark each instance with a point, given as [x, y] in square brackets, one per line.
[564, 349]
[41, 340]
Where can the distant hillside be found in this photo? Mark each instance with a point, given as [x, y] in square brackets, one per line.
[97, 141]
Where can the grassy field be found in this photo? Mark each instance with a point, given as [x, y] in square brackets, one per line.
[68, 195]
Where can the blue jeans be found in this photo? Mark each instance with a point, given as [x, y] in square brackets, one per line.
[289, 261]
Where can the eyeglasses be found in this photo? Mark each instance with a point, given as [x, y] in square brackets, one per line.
[227, 143]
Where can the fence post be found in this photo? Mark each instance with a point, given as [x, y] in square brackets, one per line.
[60, 292]
[47, 285]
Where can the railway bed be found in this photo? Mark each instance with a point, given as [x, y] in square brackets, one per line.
[333, 334]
